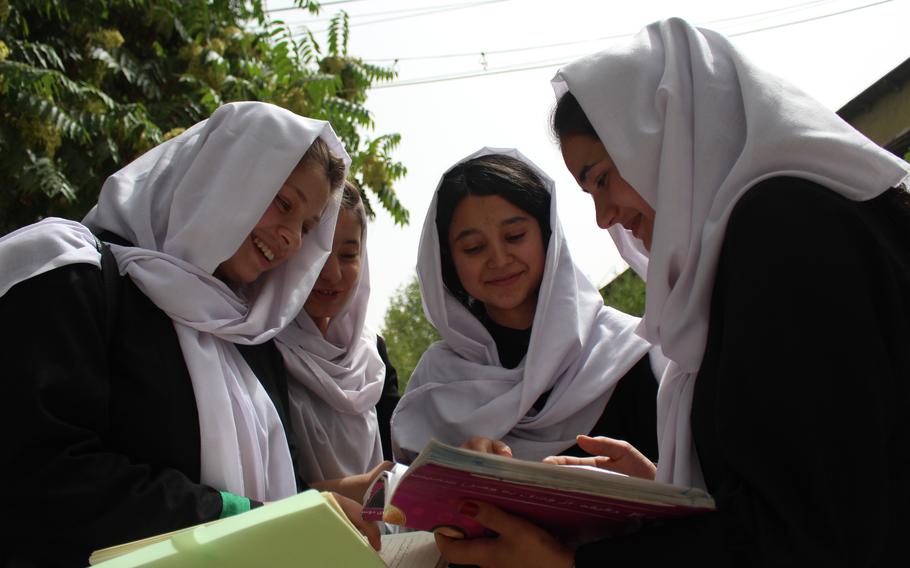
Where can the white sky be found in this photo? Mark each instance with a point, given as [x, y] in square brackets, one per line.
[832, 49]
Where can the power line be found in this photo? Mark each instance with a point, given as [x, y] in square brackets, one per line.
[822, 17]
[321, 4]
[472, 74]
[430, 12]
[485, 53]
[408, 12]
[566, 59]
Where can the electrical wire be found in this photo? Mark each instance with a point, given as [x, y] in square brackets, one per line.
[566, 59]
[485, 53]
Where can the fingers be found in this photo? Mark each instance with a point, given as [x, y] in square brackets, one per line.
[501, 449]
[572, 460]
[371, 531]
[494, 518]
[621, 456]
[352, 509]
[518, 543]
[474, 552]
[384, 466]
[488, 446]
[603, 446]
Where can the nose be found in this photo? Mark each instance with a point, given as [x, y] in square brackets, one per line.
[290, 239]
[499, 256]
[604, 212]
[331, 271]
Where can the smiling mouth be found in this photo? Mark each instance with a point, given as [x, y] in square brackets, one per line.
[327, 294]
[504, 281]
[264, 249]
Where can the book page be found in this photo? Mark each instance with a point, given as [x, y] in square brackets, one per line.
[411, 550]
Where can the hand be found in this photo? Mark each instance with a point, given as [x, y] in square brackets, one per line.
[353, 511]
[520, 543]
[615, 455]
[353, 486]
[488, 446]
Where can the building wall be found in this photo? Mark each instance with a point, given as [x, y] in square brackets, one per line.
[888, 118]
[882, 111]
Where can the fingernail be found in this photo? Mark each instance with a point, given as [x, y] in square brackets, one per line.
[468, 509]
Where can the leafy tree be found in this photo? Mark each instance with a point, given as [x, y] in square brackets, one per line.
[406, 331]
[626, 293]
[86, 87]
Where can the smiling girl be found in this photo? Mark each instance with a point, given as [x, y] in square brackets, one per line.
[146, 393]
[342, 386]
[776, 245]
[530, 356]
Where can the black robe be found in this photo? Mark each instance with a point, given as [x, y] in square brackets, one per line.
[387, 401]
[801, 411]
[100, 434]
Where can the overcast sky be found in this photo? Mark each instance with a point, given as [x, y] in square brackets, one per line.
[476, 73]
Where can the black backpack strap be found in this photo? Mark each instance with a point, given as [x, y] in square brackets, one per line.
[110, 272]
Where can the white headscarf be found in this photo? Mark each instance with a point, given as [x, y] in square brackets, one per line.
[692, 125]
[579, 349]
[334, 386]
[187, 205]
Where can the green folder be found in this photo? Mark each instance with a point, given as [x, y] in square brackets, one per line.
[307, 529]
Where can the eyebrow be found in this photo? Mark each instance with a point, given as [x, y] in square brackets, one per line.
[297, 189]
[509, 221]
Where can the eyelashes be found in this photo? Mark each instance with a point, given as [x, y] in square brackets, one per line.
[517, 238]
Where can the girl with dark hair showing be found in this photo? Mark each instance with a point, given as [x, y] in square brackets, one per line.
[775, 242]
[342, 386]
[530, 356]
[146, 393]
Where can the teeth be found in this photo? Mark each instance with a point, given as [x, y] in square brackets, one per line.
[266, 251]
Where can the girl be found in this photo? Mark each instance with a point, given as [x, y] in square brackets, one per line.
[342, 388]
[147, 395]
[530, 355]
[777, 252]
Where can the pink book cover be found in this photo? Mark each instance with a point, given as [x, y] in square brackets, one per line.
[576, 504]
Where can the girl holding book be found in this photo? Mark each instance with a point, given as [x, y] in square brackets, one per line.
[776, 243]
[146, 393]
[342, 386]
[529, 355]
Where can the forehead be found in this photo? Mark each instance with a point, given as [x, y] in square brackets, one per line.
[348, 229]
[311, 182]
[484, 211]
[581, 150]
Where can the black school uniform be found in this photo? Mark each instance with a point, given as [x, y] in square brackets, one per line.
[801, 408]
[101, 440]
[387, 402]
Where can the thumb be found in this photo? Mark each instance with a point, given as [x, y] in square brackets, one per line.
[384, 466]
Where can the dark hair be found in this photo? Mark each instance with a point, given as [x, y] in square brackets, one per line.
[568, 119]
[351, 201]
[332, 165]
[494, 174]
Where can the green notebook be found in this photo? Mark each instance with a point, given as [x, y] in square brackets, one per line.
[307, 529]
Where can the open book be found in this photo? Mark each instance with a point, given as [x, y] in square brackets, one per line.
[308, 529]
[575, 504]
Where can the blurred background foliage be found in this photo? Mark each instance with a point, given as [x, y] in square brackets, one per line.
[88, 86]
